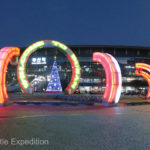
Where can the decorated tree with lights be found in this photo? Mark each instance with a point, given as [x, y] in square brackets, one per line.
[54, 84]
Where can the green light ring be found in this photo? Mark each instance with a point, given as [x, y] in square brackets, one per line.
[21, 69]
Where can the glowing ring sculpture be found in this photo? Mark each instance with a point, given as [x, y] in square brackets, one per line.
[21, 69]
[139, 71]
[6, 54]
[113, 77]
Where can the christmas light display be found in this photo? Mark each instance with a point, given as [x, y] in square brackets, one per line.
[112, 70]
[21, 69]
[113, 77]
[54, 84]
[6, 55]
[143, 70]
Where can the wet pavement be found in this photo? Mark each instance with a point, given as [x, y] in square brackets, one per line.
[76, 127]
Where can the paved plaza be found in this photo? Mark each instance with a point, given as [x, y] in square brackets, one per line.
[77, 127]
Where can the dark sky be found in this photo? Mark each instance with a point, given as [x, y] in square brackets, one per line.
[100, 22]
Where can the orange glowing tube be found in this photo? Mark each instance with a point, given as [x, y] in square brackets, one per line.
[142, 66]
[147, 77]
[6, 54]
[140, 70]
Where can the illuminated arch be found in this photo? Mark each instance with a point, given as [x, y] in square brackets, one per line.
[6, 54]
[113, 77]
[21, 69]
[142, 66]
[139, 71]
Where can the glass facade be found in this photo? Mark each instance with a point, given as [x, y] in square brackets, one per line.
[92, 80]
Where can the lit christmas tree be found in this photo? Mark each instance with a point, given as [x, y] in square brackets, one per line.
[54, 84]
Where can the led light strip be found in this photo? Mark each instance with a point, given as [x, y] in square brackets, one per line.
[21, 69]
[139, 71]
[6, 54]
[113, 77]
[142, 66]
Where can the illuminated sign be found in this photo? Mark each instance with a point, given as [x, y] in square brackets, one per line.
[38, 61]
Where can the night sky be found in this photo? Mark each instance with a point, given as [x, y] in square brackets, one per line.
[75, 22]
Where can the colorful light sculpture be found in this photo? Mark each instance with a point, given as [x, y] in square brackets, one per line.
[6, 54]
[113, 77]
[139, 71]
[142, 66]
[21, 69]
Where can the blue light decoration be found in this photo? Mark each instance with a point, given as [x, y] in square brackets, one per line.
[54, 84]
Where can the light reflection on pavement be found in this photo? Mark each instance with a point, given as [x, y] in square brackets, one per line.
[79, 127]
[19, 111]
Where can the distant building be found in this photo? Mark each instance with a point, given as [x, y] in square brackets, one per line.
[93, 75]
